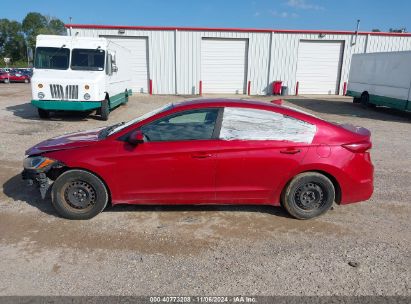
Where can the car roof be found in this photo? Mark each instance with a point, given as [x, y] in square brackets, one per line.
[246, 103]
[222, 102]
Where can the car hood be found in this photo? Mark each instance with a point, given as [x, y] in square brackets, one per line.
[67, 141]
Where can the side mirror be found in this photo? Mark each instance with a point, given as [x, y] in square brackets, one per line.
[115, 68]
[136, 137]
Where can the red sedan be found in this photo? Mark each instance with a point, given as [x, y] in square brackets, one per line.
[207, 152]
[14, 77]
[17, 77]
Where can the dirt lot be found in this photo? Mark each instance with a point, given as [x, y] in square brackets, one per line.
[218, 250]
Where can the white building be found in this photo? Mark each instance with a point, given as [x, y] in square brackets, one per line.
[183, 60]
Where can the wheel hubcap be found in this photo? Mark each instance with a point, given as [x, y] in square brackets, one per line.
[80, 195]
[310, 196]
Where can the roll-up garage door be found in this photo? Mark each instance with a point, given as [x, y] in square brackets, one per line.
[319, 66]
[224, 65]
[138, 60]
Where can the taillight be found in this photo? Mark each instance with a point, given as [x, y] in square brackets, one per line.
[359, 147]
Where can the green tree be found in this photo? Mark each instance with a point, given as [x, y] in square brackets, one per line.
[32, 25]
[12, 40]
[35, 24]
[15, 37]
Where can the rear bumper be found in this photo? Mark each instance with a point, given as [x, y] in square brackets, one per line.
[358, 183]
[65, 105]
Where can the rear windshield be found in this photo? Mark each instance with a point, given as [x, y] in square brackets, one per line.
[88, 60]
[52, 58]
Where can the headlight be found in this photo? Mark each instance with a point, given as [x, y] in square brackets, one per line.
[41, 95]
[87, 96]
[37, 162]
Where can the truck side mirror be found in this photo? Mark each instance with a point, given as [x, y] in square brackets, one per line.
[115, 68]
[136, 137]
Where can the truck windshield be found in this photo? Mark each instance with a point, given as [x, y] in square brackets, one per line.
[87, 60]
[52, 58]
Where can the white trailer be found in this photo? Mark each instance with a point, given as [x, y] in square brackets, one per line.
[381, 79]
[79, 74]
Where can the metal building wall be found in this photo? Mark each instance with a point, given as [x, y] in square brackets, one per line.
[161, 56]
[189, 63]
[175, 65]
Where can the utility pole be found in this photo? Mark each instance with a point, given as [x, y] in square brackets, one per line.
[70, 21]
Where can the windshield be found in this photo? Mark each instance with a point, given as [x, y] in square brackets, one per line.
[52, 58]
[87, 60]
[118, 127]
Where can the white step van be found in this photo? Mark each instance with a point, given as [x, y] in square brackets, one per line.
[79, 74]
[381, 79]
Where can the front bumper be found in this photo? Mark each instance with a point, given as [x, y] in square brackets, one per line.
[38, 179]
[66, 105]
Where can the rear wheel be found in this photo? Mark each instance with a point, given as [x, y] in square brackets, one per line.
[44, 114]
[105, 109]
[365, 100]
[308, 195]
[6, 80]
[125, 97]
[79, 195]
[26, 80]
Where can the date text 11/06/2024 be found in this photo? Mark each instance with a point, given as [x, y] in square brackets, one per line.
[199, 299]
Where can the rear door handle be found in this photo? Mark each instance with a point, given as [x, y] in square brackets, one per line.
[290, 151]
[201, 155]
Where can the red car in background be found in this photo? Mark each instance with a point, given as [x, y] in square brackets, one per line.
[17, 77]
[14, 77]
[207, 152]
[4, 77]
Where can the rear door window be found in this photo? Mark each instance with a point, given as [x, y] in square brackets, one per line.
[255, 124]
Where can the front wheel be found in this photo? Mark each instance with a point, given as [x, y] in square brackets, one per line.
[43, 113]
[79, 195]
[308, 195]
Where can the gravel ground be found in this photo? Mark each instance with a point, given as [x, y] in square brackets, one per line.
[205, 250]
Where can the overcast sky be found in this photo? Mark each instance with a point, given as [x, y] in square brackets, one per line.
[278, 14]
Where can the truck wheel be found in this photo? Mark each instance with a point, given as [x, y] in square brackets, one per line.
[79, 195]
[308, 195]
[43, 113]
[125, 97]
[105, 109]
[365, 100]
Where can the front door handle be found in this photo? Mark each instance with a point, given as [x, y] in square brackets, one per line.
[201, 155]
[290, 151]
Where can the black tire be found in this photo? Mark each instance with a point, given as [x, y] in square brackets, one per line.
[308, 195]
[44, 114]
[356, 100]
[79, 195]
[365, 100]
[105, 109]
[125, 97]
